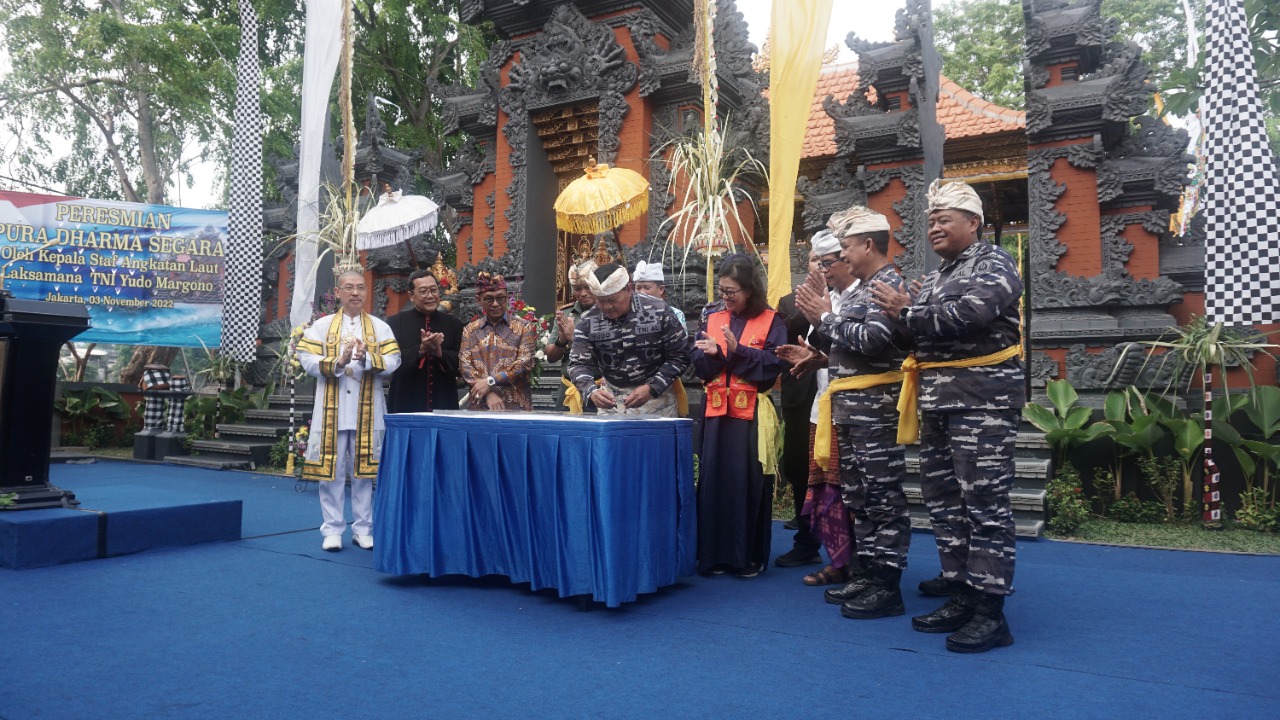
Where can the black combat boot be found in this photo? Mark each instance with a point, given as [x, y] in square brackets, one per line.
[988, 628]
[859, 579]
[935, 587]
[882, 598]
[952, 616]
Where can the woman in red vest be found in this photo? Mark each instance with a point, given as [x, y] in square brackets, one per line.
[734, 356]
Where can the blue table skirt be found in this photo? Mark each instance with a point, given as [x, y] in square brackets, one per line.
[584, 505]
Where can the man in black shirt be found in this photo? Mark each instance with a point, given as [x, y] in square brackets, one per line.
[429, 339]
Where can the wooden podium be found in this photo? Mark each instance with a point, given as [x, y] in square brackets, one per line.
[31, 336]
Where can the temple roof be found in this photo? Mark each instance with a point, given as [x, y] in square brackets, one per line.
[962, 114]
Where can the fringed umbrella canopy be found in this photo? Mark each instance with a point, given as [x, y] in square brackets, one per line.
[601, 200]
[396, 218]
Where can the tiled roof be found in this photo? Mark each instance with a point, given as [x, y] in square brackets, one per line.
[961, 113]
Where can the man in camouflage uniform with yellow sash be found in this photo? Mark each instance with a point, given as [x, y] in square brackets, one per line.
[967, 333]
[861, 402]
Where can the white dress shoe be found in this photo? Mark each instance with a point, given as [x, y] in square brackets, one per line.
[332, 543]
[364, 541]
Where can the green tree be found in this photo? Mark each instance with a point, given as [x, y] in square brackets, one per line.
[110, 99]
[404, 49]
[981, 45]
[1185, 86]
[981, 42]
[1159, 27]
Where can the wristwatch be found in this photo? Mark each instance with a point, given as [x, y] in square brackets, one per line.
[562, 344]
[492, 381]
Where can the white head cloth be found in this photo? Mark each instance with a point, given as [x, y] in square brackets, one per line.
[611, 285]
[649, 272]
[824, 243]
[954, 195]
[857, 220]
[578, 273]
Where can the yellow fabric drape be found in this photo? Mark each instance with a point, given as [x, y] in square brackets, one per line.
[797, 38]
[572, 398]
[682, 399]
[908, 420]
[767, 426]
[822, 440]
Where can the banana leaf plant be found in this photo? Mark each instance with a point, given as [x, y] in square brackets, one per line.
[1134, 431]
[1187, 432]
[1263, 410]
[1065, 424]
[1194, 351]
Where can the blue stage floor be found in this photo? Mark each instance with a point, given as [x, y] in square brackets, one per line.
[271, 626]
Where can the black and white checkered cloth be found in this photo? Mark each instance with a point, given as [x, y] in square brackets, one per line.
[175, 421]
[242, 294]
[1242, 208]
[153, 405]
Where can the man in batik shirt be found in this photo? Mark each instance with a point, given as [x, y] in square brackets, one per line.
[497, 354]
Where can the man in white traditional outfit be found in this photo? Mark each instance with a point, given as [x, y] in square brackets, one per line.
[650, 280]
[347, 352]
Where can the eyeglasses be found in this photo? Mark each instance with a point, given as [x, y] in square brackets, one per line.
[432, 290]
[726, 293]
[351, 288]
[826, 264]
[493, 300]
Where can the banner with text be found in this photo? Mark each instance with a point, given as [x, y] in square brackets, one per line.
[149, 274]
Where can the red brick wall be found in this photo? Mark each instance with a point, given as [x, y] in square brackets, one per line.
[1080, 233]
[883, 201]
[633, 154]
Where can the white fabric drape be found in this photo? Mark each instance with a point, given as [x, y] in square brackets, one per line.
[320, 62]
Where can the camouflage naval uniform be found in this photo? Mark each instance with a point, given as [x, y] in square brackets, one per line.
[872, 463]
[574, 312]
[646, 346]
[968, 308]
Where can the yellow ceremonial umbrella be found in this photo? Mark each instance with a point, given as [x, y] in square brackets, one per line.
[601, 200]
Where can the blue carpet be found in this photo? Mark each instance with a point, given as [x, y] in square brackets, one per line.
[272, 627]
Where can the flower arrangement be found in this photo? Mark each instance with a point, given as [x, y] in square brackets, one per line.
[546, 333]
[298, 445]
[291, 450]
[519, 308]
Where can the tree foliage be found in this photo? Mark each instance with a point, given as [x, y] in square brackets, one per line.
[980, 42]
[981, 45]
[403, 50]
[109, 99]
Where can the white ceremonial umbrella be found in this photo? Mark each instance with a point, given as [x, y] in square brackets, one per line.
[396, 218]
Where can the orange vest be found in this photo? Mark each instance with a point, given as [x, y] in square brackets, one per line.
[729, 394]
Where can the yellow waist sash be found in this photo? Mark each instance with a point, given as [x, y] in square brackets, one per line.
[573, 398]
[908, 420]
[766, 434]
[822, 438]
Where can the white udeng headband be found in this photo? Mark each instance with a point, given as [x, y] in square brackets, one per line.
[649, 272]
[612, 285]
[578, 273]
[824, 243]
[857, 220]
[954, 195]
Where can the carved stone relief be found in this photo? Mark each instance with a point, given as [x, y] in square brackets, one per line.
[1043, 369]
